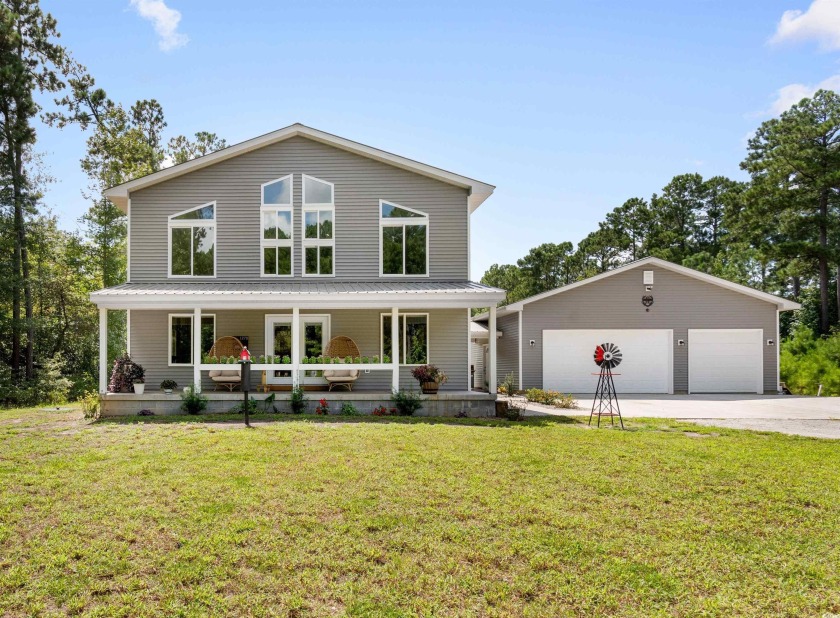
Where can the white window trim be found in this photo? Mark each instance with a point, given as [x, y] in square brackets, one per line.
[191, 223]
[316, 242]
[267, 242]
[402, 316]
[401, 222]
[192, 333]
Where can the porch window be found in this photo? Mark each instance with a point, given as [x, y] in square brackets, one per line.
[192, 242]
[180, 337]
[318, 228]
[277, 224]
[413, 344]
[404, 240]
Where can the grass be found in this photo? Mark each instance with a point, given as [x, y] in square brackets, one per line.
[412, 517]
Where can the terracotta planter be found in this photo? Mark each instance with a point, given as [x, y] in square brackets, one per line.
[429, 388]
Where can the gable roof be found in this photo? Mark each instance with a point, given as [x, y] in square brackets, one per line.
[478, 191]
[781, 303]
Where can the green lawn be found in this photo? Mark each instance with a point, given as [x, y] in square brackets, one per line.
[413, 517]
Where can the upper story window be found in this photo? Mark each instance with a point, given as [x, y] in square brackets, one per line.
[404, 240]
[277, 224]
[192, 242]
[318, 229]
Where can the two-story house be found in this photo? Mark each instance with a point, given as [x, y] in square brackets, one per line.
[286, 241]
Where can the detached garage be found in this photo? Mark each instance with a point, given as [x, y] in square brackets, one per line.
[679, 330]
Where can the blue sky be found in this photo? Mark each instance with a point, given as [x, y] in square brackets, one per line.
[569, 108]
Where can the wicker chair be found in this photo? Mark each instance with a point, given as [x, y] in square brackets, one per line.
[341, 347]
[230, 379]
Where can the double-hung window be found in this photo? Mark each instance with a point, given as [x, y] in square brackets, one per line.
[192, 242]
[318, 229]
[181, 337]
[277, 224]
[404, 241]
[413, 343]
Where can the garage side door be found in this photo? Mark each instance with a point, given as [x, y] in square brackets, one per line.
[725, 361]
[647, 366]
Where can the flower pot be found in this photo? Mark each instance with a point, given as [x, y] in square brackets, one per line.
[139, 388]
[168, 391]
[429, 388]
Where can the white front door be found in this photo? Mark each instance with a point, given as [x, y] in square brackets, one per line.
[314, 335]
[646, 367]
[725, 360]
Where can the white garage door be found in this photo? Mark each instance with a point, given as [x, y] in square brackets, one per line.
[725, 361]
[647, 366]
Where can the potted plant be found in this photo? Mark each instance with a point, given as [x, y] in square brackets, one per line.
[168, 385]
[429, 377]
[137, 377]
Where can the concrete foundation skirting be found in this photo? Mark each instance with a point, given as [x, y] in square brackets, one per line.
[475, 404]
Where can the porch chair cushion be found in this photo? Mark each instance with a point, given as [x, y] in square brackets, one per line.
[224, 375]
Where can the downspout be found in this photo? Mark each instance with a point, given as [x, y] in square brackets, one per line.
[519, 371]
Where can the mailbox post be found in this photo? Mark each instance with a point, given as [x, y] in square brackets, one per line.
[245, 369]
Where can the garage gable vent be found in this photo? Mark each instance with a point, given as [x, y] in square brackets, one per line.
[648, 277]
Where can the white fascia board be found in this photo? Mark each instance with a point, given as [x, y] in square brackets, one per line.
[500, 312]
[309, 301]
[478, 191]
[782, 303]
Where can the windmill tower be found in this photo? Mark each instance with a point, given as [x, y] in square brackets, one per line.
[607, 356]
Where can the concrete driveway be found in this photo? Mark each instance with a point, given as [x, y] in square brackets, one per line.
[807, 416]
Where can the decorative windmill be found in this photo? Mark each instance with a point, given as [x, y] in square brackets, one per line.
[607, 356]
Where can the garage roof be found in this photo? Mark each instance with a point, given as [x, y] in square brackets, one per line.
[781, 303]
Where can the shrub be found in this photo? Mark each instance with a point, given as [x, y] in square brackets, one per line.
[192, 401]
[323, 407]
[565, 401]
[240, 409]
[268, 404]
[406, 402]
[298, 400]
[348, 409]
[508, 385]
[50, 385]
[538, 395]
[808, 361]
[90, 404]
[512, 410]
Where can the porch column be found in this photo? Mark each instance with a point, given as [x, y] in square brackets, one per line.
[103, 350]
[395, 349]
[295, 346]
[491, 361]
[196, 353]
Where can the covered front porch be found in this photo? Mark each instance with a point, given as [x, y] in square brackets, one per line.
[287, 328]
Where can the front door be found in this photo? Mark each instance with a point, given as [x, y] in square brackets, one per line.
[314, 335]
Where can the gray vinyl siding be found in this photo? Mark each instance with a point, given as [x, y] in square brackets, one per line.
[359, 185]
[507, 348]
[447, 343]
[680, 303]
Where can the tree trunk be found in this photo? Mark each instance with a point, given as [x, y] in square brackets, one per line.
[797, 287]
[837, 281]
[20, 231]
[823, 262]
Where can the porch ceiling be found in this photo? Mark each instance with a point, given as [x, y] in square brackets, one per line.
[300, 294]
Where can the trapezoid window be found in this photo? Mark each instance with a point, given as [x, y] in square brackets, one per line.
[404, 240]
[276, 219]
[192, 242]
[318, 227]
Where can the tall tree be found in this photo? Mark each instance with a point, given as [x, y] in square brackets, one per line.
[182, 149]
[794, 161]
[631, 223]
[675, 211]
[548, 266]
[28, 60]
